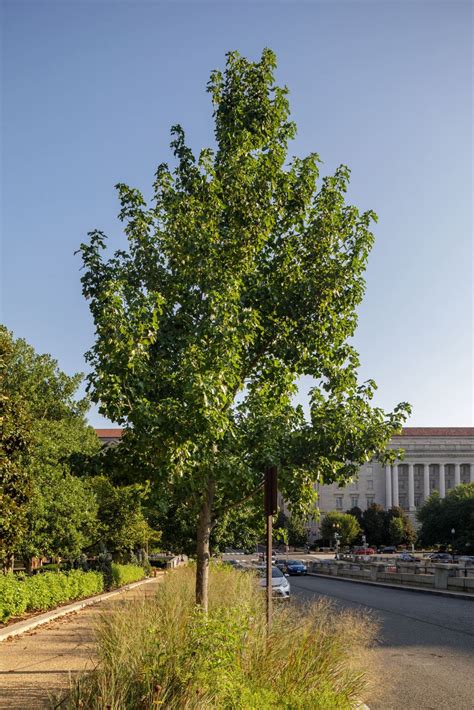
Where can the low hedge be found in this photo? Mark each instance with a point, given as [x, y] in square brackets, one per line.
[126, 574]
[45, 591]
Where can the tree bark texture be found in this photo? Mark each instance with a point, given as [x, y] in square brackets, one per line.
[203, 548]
[8, 563]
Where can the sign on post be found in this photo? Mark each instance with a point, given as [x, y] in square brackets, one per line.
[271, 490]
[271, 507]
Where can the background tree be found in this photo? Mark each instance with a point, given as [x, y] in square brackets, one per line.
[122, 525]
[409, 533]
[242, 276]
[375, 525]
[357, 513]
[241, 528]
[58, 509]
[297, 534]
[438, 516]
[381, 526]
[344, 524]
[15, 447]
[396, 531]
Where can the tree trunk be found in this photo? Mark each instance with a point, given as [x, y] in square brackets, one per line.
[203, 550]
[8, 563]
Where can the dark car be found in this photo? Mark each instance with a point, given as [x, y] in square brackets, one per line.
[441, 557]
[466, 560]
[388, 550]
[280, 562]
[296, 567]
[406, 557]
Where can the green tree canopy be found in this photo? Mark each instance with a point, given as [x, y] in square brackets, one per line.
[344, 524]
[122, 524]
[384, 527]
[57, 510]
[15, 447]
[438, 516]
[243, 274]
[396, 531]
[375, 525]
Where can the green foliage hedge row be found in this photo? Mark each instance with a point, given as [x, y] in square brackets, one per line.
[45, 591]
[126, 574]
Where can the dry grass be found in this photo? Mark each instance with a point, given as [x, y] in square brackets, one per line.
[164, 653]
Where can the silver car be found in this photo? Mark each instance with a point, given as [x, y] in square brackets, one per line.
[280, 584]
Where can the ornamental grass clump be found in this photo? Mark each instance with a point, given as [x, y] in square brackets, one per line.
[165, 652]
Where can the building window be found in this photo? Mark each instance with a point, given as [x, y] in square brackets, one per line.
[370, 501]
[338, 502]
[417, 501]
[354, 501]
[370, 485]
[369, 469]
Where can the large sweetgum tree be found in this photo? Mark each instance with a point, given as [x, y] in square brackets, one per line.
[243, 274]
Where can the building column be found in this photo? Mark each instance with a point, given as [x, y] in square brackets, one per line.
[388, 487]
[442, 482]
[426, 480]
[395, 484]
[411, 487]
[471, 473]
[457, 474]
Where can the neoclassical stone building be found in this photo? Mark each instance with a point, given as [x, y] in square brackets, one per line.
[434, 459]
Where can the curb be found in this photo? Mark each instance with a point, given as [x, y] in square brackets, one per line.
[420, 590]
[22, 627]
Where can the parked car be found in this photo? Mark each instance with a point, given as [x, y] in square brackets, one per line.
[363, 551]
[466, 560]
[280, 562]
[388, 550]
[280, 584]
[296, 567]
[406, 557]
[441, 557]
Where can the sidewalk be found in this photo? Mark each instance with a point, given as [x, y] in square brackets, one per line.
[38, 664]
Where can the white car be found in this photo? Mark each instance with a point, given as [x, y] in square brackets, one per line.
[280, 584]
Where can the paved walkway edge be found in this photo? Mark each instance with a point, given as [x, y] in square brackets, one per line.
[420, 590]
[22, 627]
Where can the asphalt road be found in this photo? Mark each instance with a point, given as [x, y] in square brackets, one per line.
[425, 648]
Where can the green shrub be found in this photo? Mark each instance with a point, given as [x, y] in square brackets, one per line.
[126, 574]
[13, 600]
[45, 591]
[165, 652]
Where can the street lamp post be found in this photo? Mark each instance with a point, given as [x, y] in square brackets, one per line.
[452, 538]
[335, 527]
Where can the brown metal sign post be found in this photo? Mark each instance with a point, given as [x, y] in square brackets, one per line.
[271, 507]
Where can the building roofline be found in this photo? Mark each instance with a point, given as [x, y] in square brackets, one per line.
[109, 433]
[406, 431]
[436, 431]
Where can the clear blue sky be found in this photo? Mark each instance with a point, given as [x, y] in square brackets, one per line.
[90, 90]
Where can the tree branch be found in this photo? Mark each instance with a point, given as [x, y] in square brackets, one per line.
[235, 504]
